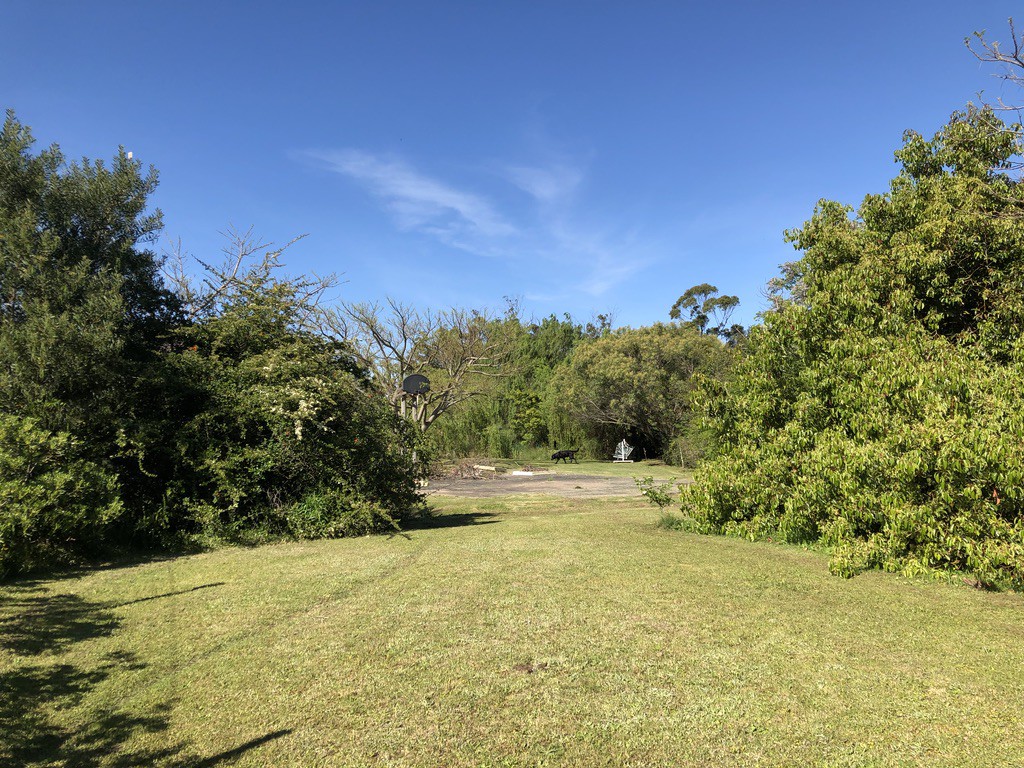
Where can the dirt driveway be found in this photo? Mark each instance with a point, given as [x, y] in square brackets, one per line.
[571, 486]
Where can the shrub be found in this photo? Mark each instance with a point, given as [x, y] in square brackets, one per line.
[877, 410]
[335, 513]
[659, 494]
[284, 438]
[54, 505]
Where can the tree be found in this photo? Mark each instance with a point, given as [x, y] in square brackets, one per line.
[244, 264]
[82, 306]
[878, 412]
[280, 434]
[548, 343]
[1011, 63]
[132, 414]
[83, 313]
[637, 383]
[709, 312]
[455, 349]
[510, 412]
[789, 286]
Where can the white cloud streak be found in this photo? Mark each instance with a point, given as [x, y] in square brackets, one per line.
[605, 274]
[546, 185]
[550, 244]
[417, 201]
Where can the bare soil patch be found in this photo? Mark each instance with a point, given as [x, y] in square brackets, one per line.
[548, 484]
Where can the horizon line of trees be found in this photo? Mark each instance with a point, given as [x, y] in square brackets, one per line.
[591, 386]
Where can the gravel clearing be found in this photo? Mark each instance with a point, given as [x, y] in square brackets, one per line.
[547, 484]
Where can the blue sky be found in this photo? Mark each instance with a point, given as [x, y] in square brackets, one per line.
[582, 156]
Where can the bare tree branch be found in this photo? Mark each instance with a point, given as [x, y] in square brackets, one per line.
[242, 269]
[455, 349]
[1011, 62]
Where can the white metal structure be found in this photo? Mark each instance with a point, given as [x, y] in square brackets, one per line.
[622, 452]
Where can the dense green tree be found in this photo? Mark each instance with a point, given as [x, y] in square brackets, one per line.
[636, 384]
[544, 347]
[82, 313]
[878, 410]
[81, 305]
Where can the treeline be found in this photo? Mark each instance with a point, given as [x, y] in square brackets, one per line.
[875, 410]
[138, 414]
[568, 384]
[141, 407]
[878, 408]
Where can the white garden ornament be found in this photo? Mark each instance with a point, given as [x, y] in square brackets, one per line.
[622, 452]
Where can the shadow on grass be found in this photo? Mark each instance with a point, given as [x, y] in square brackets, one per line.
[35, 622]
[450, 521]
[168, 594]
[232, 754]
[121, 562]
[39, 689]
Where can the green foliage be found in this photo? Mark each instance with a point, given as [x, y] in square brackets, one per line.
[284, 438]
[82, 313]
[709, 312]
[878, 411]
[511, 414]
[659, 494]
[335, 513]
[207, 413]
[80, 305]
[526, 417]
[636, 383]
[53, 503]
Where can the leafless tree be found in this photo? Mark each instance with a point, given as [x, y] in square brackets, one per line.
[455, 349]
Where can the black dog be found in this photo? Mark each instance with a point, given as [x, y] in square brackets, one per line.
[566, 456]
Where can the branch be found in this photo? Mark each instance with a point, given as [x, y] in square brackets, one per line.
[992, 53]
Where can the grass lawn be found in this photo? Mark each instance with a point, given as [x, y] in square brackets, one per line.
[659, 470]
[517, 631]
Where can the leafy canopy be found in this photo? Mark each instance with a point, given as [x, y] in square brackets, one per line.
[878, 407]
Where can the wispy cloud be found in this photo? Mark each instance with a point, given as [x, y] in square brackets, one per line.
[416, 200]
[604, 274]
[550, 242]
[547, 185]
[607, 258]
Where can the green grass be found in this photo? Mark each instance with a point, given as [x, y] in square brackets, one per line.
[659, 470]
[518, 631]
